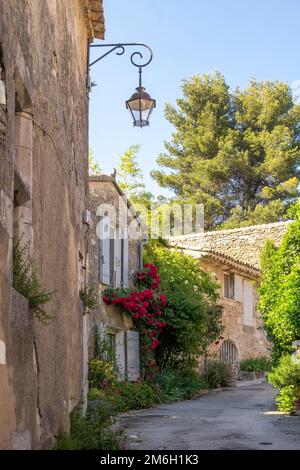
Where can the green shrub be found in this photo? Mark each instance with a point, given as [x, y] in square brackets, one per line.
[256, 364]
[179, 384]
[26, 282]
[95, 394]
[218, 374]
[90, 432]
[286, 373]
[286, 378]
[171, 390]
[192, 312]
[133, 396]
[280, 290]
[101, 373]
[285, 399]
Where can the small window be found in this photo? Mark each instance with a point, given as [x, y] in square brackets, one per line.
[229, 286]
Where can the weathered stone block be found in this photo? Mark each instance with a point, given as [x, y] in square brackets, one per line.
[21, 440]
[6, 214]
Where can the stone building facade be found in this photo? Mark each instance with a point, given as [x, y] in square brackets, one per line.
[43, 196]
[115, 255]
[233, 258]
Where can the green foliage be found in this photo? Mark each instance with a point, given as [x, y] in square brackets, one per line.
[218, 374]
[94, 167]
[280, 291]
[192, 314]
[133, 396]
[26, 282]
[130, 179]
[237, 152]
[105, 350]
[126, 396]
[286, 373]
[286, 378]
[285, 399]
[95, 394]
[179, 384]
[101, 373]
[256, 364]
[90, 432]
[89, 297]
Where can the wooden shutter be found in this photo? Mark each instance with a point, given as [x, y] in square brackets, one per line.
[238, 288]
[140, 255]
[125, 261]
[120, 354]
[104, 255]
[117, 261]
[248, 303]
[133, 355]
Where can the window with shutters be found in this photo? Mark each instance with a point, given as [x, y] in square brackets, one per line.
[125, 347]
[229, 286]
[113, 256]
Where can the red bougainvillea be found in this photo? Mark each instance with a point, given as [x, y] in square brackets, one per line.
[145, 304]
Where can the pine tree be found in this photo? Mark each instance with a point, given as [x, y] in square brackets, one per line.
[237, 152]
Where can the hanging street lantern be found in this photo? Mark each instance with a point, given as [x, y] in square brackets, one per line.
[140, 104]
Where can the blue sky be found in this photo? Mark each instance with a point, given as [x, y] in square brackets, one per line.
[243, 39]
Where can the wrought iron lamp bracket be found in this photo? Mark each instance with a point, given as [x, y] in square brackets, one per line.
[120, 49]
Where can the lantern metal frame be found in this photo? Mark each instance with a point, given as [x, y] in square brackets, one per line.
[119, 48]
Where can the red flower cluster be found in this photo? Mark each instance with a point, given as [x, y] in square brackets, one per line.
[149, 276]
[145, 305]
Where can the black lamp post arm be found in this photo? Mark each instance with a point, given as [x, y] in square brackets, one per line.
[120, 49]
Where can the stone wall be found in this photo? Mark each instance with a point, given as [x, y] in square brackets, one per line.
[43, 68]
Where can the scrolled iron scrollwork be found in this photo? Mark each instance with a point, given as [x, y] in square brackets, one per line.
[120, 49]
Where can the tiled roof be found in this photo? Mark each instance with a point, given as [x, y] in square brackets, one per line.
[243, 245]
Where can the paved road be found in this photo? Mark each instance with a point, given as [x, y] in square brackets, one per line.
[240, 418]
